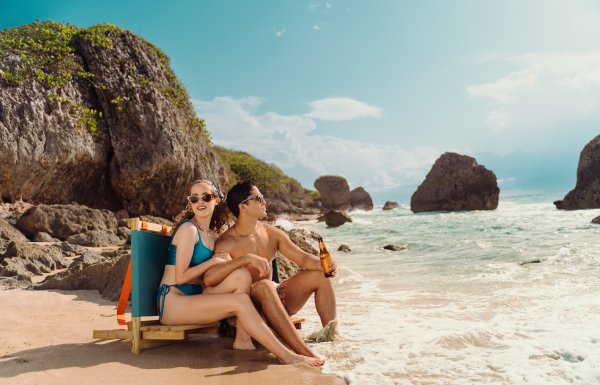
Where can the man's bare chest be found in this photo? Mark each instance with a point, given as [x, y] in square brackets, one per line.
[255, 245]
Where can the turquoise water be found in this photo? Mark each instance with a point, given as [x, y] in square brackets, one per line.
[458, 306]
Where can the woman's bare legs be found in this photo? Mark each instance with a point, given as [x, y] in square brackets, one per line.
[206, 308]
[237, 282]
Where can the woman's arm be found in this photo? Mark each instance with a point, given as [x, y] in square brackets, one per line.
[185, 240]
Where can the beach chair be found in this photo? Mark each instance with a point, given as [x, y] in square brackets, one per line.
[149, 250]
[149, 247]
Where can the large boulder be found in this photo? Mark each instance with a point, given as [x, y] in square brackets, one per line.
[62, 221]
[335, 218]
[586, 194]
[360, 199]
[9, 233]
[92, 272]
[334, 192]
[95, 238]
[302, 238]
[456, 183]
[96, 116]
[24, 260]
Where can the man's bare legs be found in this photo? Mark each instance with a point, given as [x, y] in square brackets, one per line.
[263, 293]
[302, 285]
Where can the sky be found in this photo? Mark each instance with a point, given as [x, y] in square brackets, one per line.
[377, 90]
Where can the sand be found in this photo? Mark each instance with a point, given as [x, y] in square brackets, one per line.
[46, 338]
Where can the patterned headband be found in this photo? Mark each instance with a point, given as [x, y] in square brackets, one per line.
[217, 190]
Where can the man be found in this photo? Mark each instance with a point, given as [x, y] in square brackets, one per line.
[253, 245]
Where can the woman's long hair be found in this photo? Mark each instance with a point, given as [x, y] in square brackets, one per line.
[220, 216]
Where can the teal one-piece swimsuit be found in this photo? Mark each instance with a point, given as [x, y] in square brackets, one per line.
[200, 255]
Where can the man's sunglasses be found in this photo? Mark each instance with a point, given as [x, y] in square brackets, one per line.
[206, 197]
[259, 198]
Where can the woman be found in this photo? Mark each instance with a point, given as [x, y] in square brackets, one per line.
[180, 297]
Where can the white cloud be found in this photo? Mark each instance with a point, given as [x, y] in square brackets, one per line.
[315, 5]
[279, 32]
[545, 90]
[338, 109]
[289, 142]
[316, 27]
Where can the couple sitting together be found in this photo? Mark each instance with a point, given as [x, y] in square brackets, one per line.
[212, 275]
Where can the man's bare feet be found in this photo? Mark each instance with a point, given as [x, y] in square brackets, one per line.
[327, 333]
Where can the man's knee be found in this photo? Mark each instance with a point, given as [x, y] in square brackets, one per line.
[317, 278]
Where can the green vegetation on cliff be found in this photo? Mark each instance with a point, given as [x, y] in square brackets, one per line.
[269, 178]
[46, 52]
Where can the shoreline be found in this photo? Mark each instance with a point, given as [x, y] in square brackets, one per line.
[49, 340]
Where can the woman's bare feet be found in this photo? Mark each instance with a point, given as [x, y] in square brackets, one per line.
[297, 358]
[240, 344]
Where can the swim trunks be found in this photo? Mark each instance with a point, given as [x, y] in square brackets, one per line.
[281, 292]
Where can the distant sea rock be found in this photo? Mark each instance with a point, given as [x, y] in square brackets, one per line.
[344, 248]
[360, 199]
[456, 183]
[390, 205]
[586, 194]
[334, 192]
[336, 195]
[394, 247]
[335, 218]
[596, 220]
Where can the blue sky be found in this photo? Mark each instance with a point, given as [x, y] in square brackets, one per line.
[377, 90]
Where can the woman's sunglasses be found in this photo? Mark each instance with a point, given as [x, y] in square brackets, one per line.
[259, 198]
[206, 197]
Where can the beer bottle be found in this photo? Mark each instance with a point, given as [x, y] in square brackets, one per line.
[326, 260]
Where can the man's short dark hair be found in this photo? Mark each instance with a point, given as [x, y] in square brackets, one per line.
[237, 194]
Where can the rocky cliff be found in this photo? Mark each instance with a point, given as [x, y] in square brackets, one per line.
[96, 116]
[586, 194]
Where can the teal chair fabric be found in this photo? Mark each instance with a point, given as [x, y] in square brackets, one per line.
[275, 272]
[148, 257]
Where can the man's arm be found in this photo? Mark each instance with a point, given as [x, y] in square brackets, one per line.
[293, 252]
[217, 273]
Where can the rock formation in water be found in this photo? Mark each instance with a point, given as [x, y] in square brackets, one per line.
[389, 205]
[456, 183]
[586, 194]
[360, 199]
[336, 195]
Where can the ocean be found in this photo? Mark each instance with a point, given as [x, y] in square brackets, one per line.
[509, 296]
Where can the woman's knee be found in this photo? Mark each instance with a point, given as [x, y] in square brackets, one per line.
[241, 301]
[243, 276]
[263, 288]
